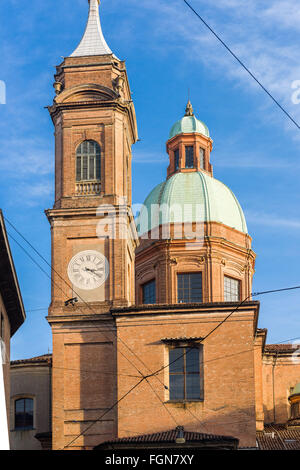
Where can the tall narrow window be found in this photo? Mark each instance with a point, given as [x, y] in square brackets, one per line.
[232, 289]
[202, 158]
[186, 373]
[176, 159]
[88, 161]
[149, 292]
[189, 157]
[24, 413]
[189, 287]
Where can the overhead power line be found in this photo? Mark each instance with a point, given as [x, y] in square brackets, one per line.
[242, 64]
[151, 374]
[117, 337]
[105, 413]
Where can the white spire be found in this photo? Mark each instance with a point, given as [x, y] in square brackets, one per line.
[92, 42]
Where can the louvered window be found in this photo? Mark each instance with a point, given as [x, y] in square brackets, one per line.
[88, 161]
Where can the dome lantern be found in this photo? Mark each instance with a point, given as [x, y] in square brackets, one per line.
[189, 144]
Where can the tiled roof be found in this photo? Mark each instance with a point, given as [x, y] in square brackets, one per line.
[279, 437]
[170, 436]
[31, 360]
[281, 348]
[170, 340]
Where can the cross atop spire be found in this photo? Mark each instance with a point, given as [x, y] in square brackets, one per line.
[92, 42]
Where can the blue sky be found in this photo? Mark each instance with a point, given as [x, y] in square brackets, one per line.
[167, 50]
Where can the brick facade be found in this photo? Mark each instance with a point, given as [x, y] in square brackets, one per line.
[105, 339]
[93, 103]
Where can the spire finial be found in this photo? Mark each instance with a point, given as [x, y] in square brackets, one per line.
[189, 109]
[92, 42]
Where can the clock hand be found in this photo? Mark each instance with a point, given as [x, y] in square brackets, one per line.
[92, 271]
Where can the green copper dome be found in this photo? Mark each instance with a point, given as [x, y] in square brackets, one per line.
[191, 197]
[188, 125]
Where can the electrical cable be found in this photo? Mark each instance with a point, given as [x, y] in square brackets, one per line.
[143, 377]
[105, 413]
[242, 64]
[155, 373]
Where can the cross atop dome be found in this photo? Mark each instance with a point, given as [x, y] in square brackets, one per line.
[92, 42]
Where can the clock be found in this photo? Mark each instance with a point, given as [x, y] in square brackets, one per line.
[88, 270]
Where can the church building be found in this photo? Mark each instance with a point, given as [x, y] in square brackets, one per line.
[154, 327]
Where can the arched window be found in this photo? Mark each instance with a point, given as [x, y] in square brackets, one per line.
[24, 413]
[88, 161]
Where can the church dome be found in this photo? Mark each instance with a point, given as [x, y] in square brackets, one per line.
[188, 125]
[191, 197]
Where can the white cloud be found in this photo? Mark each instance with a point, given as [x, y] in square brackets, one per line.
[21, 158]
[271, 220]
[285, 13]
[258, 32]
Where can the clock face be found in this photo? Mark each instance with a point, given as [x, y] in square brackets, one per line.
[88, 270]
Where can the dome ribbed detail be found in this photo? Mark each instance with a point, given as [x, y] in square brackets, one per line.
[191, 197]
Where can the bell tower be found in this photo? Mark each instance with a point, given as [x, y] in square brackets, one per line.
[93, 233]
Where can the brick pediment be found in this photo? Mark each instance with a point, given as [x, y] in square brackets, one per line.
[84, 93]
